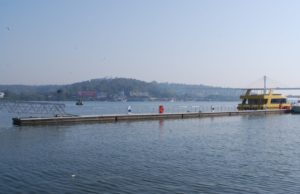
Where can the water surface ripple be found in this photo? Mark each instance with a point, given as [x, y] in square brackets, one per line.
[242, 154]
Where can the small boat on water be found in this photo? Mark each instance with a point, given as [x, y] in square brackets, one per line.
[79, 102]
[296, 108]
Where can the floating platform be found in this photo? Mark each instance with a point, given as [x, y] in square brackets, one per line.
[60, 120]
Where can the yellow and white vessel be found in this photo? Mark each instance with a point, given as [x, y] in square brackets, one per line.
[264, 100]
[270, 100]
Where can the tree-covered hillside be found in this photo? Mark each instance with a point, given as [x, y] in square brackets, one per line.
[117, 89]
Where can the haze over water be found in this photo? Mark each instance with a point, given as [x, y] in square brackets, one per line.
[211, 42]
[241, 154]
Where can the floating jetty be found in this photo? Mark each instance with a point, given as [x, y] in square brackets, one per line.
[60, 120]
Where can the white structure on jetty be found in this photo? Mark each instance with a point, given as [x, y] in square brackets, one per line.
[2, 94]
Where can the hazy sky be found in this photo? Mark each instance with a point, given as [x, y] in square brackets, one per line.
[221, 43]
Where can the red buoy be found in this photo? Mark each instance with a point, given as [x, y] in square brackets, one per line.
[161, 109]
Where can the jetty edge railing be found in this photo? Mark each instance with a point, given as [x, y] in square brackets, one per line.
[33, 108]
[178, 109]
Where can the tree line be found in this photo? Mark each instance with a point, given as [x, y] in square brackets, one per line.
[114, 89]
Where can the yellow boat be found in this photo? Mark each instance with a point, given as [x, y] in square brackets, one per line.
[263, 101]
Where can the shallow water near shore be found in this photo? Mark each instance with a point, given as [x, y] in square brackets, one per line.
[242, 154]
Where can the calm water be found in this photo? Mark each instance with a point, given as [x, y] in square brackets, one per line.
[243, 154]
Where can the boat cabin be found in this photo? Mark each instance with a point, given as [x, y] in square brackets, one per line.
[270, 100]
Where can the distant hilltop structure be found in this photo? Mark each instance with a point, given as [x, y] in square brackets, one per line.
[2, 94]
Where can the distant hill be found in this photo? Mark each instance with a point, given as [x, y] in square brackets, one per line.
[119, 89]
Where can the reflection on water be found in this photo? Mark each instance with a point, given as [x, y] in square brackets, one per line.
[241, 154]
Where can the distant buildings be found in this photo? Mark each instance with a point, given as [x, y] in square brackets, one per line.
[114, 96]
[88, 94]
[138, 94]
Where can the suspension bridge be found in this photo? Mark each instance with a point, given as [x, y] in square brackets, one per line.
[262, 84]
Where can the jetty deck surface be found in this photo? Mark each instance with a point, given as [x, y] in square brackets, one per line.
[60, 120]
